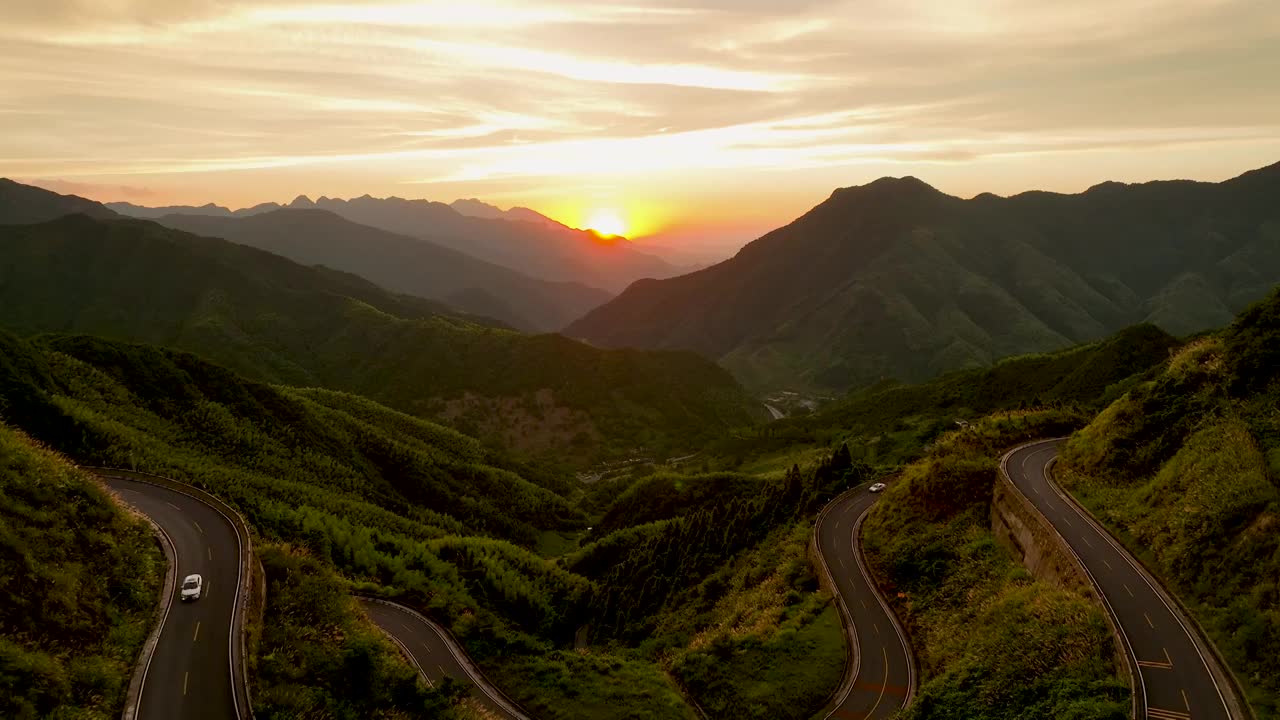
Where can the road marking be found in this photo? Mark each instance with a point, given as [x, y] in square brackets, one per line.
[185, 676]
[1186, 703]
[193, 522]
[877, 627]
[1162, 714]
[210, 549]
[1065, 520]
[885, 654]
[1035, 489]
[197, 635]
[1104, 562]
[1166, 665]
[864, 603]
[1086, 541]
[1126, 589]
[175, 507]
[443, 674]
[1148, 617]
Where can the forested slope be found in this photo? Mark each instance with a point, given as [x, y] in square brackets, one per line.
[79, 580]
[274, 320]
[1186, 467]
[895, 279]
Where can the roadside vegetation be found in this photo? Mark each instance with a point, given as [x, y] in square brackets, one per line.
[992, 641]
[320, 657]
[79, 579]
[1185, 468]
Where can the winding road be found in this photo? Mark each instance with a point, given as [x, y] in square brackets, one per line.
[190, 673]
[436, 654]
[881, 678]
[1177, 675]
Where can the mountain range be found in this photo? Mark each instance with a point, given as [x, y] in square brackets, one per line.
[402, 264]
[271, 319]
[895, 279]
[518, 239]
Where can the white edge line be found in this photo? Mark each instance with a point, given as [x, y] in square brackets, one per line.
[236, 610]
[168, 604]
[1131, 657]
[1157, 590]
[846, 617]
[897, 627]
[473, 673]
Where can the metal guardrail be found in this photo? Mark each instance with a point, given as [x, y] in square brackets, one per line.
[238, 645]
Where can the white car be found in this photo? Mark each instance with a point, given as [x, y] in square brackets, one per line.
[192, 587]
[878, 487]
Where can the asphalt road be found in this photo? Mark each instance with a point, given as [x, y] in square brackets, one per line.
[189, 675]
[435, 654]
[884, 677]
[1174, 680]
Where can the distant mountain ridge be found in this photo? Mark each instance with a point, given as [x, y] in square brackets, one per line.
[274, 320]
[402, 264]
[896, 279]
[519, 238]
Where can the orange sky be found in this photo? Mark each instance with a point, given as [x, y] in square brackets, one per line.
[704, 121]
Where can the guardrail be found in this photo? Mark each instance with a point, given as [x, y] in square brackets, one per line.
[486, 686]
[238, 642]
[1117, 634]
[1239, 704]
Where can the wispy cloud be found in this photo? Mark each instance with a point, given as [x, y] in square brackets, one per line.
[682, 101]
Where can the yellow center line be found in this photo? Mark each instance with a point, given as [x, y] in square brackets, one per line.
[884, 685]
[185, 676]
[197, 634]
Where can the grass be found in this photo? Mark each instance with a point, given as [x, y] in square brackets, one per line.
[992, 641]
[79, 579]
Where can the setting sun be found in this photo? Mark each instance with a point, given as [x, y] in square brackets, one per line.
[607, 222]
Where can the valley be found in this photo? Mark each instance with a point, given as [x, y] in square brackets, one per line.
[451, 518]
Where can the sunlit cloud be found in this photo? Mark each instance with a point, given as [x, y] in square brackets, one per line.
[711, 109]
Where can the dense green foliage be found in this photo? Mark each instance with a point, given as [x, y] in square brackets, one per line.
[276, 321]
[897, 280]
[889, 424]
[1186, 469]
[79, 580]
[992, 641]
[320, 657]
[404, 264]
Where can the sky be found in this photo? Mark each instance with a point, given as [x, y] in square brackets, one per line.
[695, 122]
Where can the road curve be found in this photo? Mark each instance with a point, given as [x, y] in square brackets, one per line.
[436, 654]
[1178, 677]
[190, 673]
[881, 679]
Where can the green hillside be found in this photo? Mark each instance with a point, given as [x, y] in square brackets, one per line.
[79, 579]
[404, 264]
[273, 320]
[897, 280]
[992, 641]
[1186, 468]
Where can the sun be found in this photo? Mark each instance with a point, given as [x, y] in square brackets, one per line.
[607, 222]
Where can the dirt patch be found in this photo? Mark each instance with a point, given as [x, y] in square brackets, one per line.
[529, 422]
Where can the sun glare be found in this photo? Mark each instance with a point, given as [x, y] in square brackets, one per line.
[607, 222]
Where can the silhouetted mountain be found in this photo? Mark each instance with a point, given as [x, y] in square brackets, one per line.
[546, 251]
[896, 279]
[274, 320]
[151, 213]
[475, 208]
[403, 264]
[21, 204]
